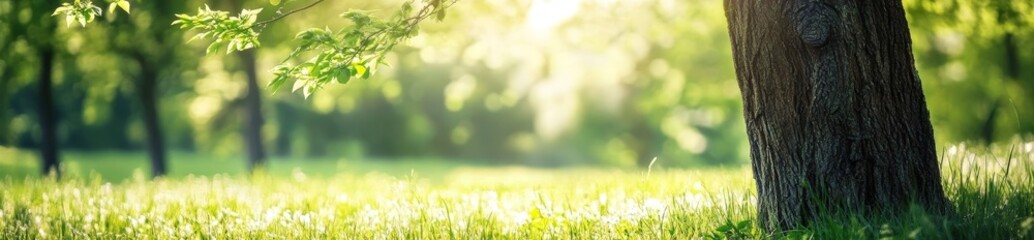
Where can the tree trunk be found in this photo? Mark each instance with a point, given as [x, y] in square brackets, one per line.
[1012, 58]
[253, 113]
[1011, 68]
[835, 113]
[286, 117]
[47, 114]
[146, 90]
[6, 81]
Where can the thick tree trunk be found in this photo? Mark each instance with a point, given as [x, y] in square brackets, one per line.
[835, 113]
[253, 113]
[47, 114]
[146, 90]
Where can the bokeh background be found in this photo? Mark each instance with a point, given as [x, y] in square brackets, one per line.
[529, 82]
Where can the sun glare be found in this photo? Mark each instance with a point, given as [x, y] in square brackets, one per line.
[546, 15]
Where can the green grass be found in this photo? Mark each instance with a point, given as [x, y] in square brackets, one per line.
[426, 199]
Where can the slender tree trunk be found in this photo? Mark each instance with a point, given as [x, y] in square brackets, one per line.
[253, 113]
[286, 117]
[835, 113]
[5, 106]
[6, 82]
[1012, 58]
[47, 114]
[146, 90]
[987, 130]
[1011, 68]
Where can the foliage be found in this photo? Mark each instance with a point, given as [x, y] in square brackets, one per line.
[235, 32]
[488, 84]
[83, 11]
[975, 49]
[351, 52]
[993, 192]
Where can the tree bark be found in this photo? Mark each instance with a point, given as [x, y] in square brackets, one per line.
[146, 90]
[253, 113]
[834, 109]
[47, 114]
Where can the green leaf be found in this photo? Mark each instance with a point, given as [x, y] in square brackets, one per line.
[274, 2]
[441, 14]
[198, 36]
[249, 16]
[357, 17]
[124, 5]
[111, 8]
[298, 84]
[315, 71]
[407, 7]
[277, 82]
[214, 47]
[69, 19]
[360, 71]
[307, 91]
[62, 9]
[343, 75]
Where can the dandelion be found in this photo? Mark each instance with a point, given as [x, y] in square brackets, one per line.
[609, 220]
[298, 175]
[654, 205]
[520, 218]
[691, 200]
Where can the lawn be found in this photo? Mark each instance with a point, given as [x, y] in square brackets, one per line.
[209, 198]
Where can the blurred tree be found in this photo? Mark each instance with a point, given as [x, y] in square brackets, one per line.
[973, 50]
[252, 129]
[30, 21]
[8, 34]
[253, 113]
[834, 109]
[151, 48]
[48, 120]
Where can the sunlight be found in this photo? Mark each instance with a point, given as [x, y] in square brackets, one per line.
[546, 15]
[516, 119]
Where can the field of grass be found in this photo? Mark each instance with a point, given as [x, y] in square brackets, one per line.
[993, 190]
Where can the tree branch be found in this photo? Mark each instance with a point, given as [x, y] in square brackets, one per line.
[410, 22]
[262, 24]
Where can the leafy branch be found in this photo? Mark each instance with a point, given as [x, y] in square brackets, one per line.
[351, 52]
[236, 32]
[84, 11]
[288, 13]
[337, 56]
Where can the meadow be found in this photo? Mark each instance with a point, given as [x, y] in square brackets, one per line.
[107, 195]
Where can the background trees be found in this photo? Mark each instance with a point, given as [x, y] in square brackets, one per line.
[508, 81]
[974, 49]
